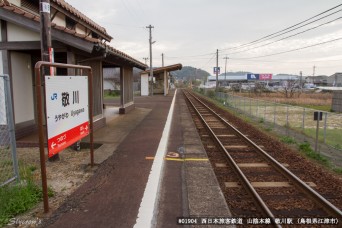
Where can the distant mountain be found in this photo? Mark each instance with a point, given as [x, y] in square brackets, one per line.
[188, 72]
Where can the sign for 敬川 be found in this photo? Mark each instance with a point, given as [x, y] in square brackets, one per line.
[67, 111]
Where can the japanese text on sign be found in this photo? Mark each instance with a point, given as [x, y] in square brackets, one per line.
[67, 111]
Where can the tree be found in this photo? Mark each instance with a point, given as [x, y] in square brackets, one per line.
[290, 87]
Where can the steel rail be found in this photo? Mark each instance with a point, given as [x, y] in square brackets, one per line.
[246, 183]
[315, 196]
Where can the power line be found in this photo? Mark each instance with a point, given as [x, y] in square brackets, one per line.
[297, 49]
[213, 56]
[192, 56]
[283, 30]
[130, 12]
[269, 43]
[290, 62]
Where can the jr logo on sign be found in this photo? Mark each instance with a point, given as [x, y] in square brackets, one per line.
[54, 96]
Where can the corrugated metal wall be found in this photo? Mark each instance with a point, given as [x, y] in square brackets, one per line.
[337, 101]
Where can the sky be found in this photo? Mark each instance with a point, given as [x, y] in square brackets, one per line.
[190, 31]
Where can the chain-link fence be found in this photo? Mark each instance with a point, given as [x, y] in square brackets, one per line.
[288, 117]
[8, 159]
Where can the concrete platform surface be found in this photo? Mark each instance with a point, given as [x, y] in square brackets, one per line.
[115, 194]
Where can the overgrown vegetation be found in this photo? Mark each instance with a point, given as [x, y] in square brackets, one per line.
[111, 93]
[17, 198]
[319, 101]
[309, 152]
[332, 136]
[287, 140]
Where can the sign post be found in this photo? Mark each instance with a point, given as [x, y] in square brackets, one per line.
[318, 117]
[69, 116]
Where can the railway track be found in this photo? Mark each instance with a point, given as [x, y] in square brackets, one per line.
[254, 183]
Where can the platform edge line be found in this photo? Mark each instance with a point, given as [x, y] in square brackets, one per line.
[146, 213]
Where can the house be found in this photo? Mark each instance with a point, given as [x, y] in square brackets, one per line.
[76, 39]
[335, 80]
[111, 79]
[321, 80]
[161, 80]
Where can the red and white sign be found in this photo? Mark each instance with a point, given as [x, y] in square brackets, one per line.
[265, 76]
[67, 111]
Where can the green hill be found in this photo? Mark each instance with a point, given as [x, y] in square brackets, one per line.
[188, 72]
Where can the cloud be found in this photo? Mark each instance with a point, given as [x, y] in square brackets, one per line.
[197, 27]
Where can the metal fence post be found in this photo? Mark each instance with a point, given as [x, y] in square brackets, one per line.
[257, 109]
[265, 111]
[303, 122]
[325, 126]
[11, 127]
[274, 116]
[10, 124]
[244, 105]
[287, 119]
[317, 133]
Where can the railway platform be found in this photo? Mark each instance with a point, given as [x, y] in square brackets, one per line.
[152, 171]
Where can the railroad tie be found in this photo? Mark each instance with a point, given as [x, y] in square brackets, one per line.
[236, 147]
[248, 165]
[226, 136]
[265, 184]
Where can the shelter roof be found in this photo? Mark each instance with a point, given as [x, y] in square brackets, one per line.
[165, 68]
[4, 4]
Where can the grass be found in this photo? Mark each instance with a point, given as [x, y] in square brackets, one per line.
[18, 198]
[111, 93]
[309, 152]
[287, 140]
[333, 136]
[318, 101]
[338, 170]
[325, 108]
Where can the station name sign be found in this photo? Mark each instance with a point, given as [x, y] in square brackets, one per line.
[259, 76]
[67, 111]
[216, 70]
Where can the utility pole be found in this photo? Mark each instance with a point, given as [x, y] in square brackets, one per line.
[45, 31]
[145, 58]
[225, 70]
[313, 74]
[216, 69]
[45, 44]
[150, 27]
[300, 81]
[162, 59]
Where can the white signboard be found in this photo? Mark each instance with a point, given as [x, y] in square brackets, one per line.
[67, 111]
